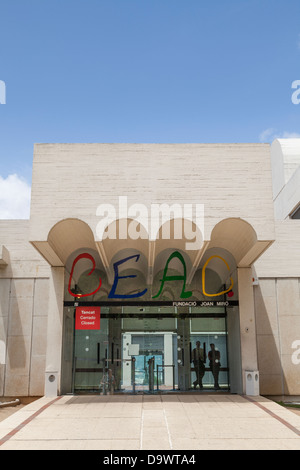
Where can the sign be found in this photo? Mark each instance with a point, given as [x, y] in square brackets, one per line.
[152, 303]
[87, 318]
[113, 294]
[205, 303]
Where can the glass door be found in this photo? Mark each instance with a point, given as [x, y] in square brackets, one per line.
[208, 353]
[152, 350]
[97, 359]
[155, 360]
[90, 358]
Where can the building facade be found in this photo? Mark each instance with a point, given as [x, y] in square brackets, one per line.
[154, 268]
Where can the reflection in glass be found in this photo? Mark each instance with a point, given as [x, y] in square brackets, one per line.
[188, 351]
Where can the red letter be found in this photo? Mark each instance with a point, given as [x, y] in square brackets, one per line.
[83, 255]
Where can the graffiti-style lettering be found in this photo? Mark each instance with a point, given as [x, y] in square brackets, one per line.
[181, 277]
[112, 294]
[203, 277]
[183, 295]
[88, 256]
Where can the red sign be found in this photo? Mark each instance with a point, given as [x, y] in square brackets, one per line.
[87, 318]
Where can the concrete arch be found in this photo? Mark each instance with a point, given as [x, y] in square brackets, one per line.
[218, 266]
[239, 240]
[237, 237]
[135, 259]
[69, 235]
[176, 234]
[179, 233]
[175, 264]
[84, 264]
[112, 243]
[234, 235]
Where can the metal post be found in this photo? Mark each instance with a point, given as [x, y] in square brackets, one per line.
[133, 374]
[74, 371]
[173, 370]
[151, 374]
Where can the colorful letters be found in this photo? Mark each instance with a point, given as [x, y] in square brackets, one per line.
[166, 278]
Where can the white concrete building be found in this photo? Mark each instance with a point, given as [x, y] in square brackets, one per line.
[134, 253]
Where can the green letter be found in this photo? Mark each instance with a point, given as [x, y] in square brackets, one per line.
[183, 295]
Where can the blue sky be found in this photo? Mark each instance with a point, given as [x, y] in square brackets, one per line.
[143, 71]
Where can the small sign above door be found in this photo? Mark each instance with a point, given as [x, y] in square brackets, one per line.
[87, 318]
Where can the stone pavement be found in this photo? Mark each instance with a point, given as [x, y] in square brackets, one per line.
[153, 422]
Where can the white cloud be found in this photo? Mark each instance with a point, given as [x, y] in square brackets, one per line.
[288, 135]
[14, 198]
[268, 135]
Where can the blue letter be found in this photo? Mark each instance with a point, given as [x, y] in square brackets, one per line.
[112, 294]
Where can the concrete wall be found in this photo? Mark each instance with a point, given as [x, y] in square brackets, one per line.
[24, 293]
[277, 295]
[72, 180]
[277, 307]
[285, 160]
[278, 335]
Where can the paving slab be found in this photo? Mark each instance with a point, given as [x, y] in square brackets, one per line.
[152, 422]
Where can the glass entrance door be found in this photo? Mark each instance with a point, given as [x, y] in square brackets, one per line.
[98, 361]
[154, 360]
[147, 350]
[90, 348]
[208, 336]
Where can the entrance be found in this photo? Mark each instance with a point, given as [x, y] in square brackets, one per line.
[154, 354]
[147, 349]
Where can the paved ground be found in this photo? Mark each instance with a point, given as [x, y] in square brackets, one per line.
[154, 422]
[6, 411]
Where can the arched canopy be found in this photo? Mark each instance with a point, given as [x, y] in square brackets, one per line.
[233, 236]
[239, 238]
[68, 236]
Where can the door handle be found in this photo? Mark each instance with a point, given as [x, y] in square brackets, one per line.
[98, 353]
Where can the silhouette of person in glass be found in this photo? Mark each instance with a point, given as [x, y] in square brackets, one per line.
[214, 364]
[108, 382]
[199, 359]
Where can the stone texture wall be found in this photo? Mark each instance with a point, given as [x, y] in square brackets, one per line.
[72, 180]
[24, 295]
[277, 309]
[278, 335]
